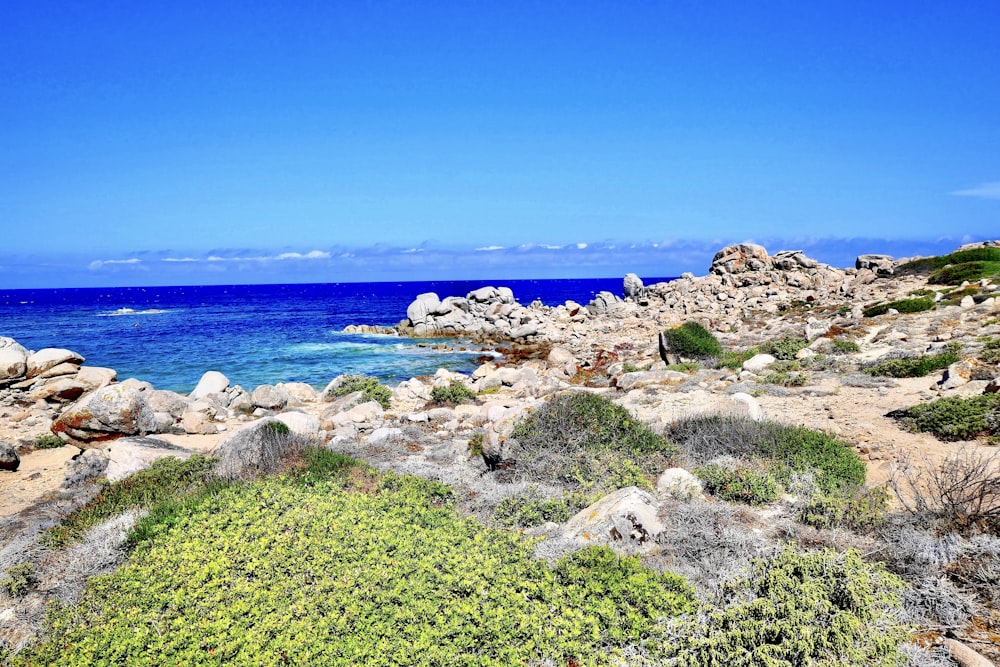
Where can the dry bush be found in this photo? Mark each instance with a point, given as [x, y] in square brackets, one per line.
[960, 495]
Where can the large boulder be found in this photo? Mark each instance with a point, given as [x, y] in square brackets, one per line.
[759, 362]
[679, 484]
[964, 371]
[107, 413]
[792, 260]
[880, 265]
[255, 449]
[739, 258]
[210, 383]
[59, 390]
[632, 286]
[628, 516]
[50, 357]
[95, 377]
[421, 307]
[9, 460]
[300, 423]
[269, 397]
[130, 455]
[13, 359]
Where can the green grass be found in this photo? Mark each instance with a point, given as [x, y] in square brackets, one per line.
[733, 359]
[915, 305]
[692, 340]
[928, 265]
[168, 480]
[48, 441]
[842, 346]
[913, 367]
[354, 568]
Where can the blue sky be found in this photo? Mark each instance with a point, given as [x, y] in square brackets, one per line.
[212, 142]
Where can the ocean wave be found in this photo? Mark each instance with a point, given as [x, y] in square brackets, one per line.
[130, 311]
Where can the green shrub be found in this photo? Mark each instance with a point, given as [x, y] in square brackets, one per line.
[785, 348]
[19, 579]
[841, 346]
[476, 445]
[916, 305]
[927, 265]
[533, 510]
[587, 442]
[785, 379]
[864, 511]
[954, 418]
[964, 271]
[912, 367]
[739, 484]
[166, 479]
[820, 608]
[685, 367]
[279, 572]
[787, 449]
[692, 340]
[373, 389]
[48, 441]
[453, 394]
[733, 359]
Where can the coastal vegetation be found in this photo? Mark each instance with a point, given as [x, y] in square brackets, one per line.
[957, 267]
[692, 340]
[369, 386]
[919, 366]
[453, 393]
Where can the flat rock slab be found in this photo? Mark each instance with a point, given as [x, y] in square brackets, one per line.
[129, 455]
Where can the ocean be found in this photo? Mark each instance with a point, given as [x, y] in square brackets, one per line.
[255, 334]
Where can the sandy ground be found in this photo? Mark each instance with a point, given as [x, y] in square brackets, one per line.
[40, 474]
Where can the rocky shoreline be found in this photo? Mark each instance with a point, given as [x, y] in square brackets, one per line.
[610, 346]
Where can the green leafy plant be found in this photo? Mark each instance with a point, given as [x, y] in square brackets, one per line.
[589, 443]
[476, 445]
[692, 340]
[910, 367]
[914, 305]
[820, 608]
[785, 348]
[953, 417]
[453, 394]
[48, 441]
[740, 484]
[841, 346]
[685, 367]
[733, 359]
[785, 379]
[863, 511]
[372, 389]
[531, 509]
[353, 568]
[19, 579]
[165, 480]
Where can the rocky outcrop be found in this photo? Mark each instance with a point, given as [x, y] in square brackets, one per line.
[13, 359]
[739, 258]
[880, 265]
[488, 313]
[255, 449]
[106, 414]
[627, 516]
[9, 460]
[210, 383]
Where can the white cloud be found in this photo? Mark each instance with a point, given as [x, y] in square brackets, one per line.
[548, 246]
[312, 254]
[408, 251]
[984, 191]
[98, 264]
[581, 246]
[180, 259]
[490, 248]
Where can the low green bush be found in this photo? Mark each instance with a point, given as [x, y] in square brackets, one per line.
[991, 351]
[685, 367]
[785, 379]
[531, 509]
[19, 579]
[841, 346]
[953, 417]
[863, 511]
[739, 484]
[453, 394]
[912, 367]
[927, 265]
[279, 572]
[785, 348]
[733, 359]
[588, 443]
[916, 305]
[48, 441]
[165, 480]
[372, 389]
[793, 610]
[964, 271]
[692, 340]
[787, 449]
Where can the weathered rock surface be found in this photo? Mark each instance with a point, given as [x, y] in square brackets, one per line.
[628, 515]
[739, 258]
[255, 449]
[9, 460]
[129, 455]
[107, 413]
[13, 359]
[49, 357]
[679, 484]
[210, 383]
[880, 265]
[270, 397]
[300, 423]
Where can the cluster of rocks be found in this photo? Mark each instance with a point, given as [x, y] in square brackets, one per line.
[50, 374]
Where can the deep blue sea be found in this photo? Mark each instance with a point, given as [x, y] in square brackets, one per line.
[254, 334]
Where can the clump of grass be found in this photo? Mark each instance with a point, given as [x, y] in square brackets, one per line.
[166, 479]
[928, 265]
[48, 441]
[991, 351]
[589, 443]
[692, 340]
[372, 389]
[532, 509]
[785, 348]
[953, 417]
[916, 305]
[785, 379]
[733, 359]
[456, 392]
[685, 367]
[19, 579]
[863, 511]
[964, 271]
[912, 367]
